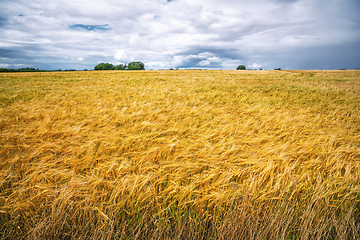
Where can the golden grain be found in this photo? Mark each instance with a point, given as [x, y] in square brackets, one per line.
[180, 154]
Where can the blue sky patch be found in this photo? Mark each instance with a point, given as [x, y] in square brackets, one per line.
[90, 27]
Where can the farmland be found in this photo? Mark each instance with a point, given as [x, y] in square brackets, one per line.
[180, 155]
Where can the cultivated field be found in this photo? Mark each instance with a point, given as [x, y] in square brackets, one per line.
[180, 155]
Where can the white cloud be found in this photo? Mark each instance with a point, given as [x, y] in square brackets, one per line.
[80, 59]
[122, 56]
[137, 42]
[2, 65]
[210, 61]
[255, 65]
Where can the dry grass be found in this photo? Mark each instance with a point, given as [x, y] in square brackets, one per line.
[180, 155]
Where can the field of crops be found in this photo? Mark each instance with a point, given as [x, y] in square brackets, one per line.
[180, 155]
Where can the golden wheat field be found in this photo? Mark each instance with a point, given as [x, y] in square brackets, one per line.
[180, 155]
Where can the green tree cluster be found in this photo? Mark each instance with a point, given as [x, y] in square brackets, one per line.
[21, 70]
[104, 66]
[120, 67]
[131, 66]
[241, 67]
[136, 66]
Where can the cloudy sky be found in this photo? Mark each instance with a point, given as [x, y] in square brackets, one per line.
[209, 34]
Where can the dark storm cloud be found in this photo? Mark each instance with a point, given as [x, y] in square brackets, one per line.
[201, 60]
[324, 57]
[8, 53]
[25, 52]
[296, 34]
[2, 21]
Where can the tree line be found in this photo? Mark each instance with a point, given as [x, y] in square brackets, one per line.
[131, 66]
[21, 70]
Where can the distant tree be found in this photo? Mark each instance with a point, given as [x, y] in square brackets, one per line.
[132, 66]
[120, 67]
[142, 65]
[136, 66]
[277, 69]
[241, 67]
[104, 66]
